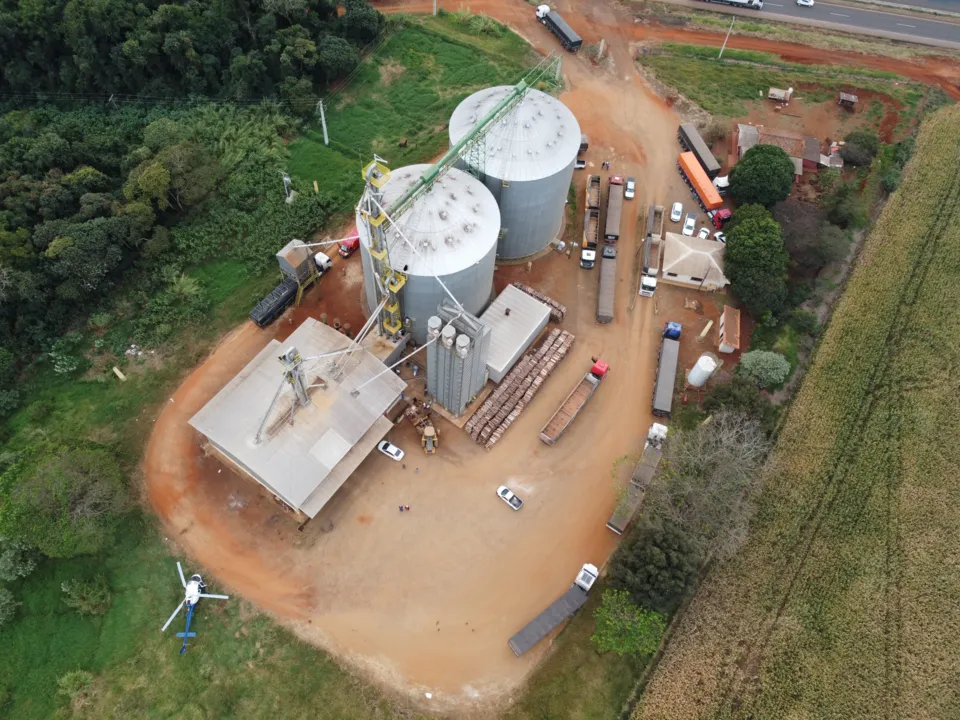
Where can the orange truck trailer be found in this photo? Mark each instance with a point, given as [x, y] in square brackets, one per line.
[694, 175]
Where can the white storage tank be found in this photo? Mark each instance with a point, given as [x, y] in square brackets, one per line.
[528, 158]
[706, 366]
[453, 232]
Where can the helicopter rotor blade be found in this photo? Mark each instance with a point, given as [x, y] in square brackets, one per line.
[180, 570]
[215, 597]
[175, 613]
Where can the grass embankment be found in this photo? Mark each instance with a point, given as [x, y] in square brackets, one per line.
[725, 86]
[844, 599]
[242, 665]
[405, 92]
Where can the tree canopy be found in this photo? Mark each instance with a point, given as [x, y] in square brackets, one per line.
[764, 175]
[625, 628]
[755, 261]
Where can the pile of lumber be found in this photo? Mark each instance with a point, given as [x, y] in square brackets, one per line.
[504, 405]
[557, 311]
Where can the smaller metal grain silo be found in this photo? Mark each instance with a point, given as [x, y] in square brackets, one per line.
[450, 233]
[526, 160]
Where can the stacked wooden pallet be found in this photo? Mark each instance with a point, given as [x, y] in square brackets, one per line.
[557, 311]
[518, 388]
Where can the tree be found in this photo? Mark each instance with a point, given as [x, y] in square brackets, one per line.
[756, 264]
[68, 503]
[16, 559]
[764, 175]
[87, 597]
[707, 483]
[337, 57]
[751, 211]
[766, 369]
[8, 606]
[656, 565]
[844, 206]
[625, 628]
[860, 147]
[834, 244]
[742, 396]
[361, 22]
[810, 240]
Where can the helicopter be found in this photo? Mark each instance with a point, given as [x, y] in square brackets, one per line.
[194, 591]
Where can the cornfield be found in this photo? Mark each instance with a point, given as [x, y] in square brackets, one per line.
[844, 604]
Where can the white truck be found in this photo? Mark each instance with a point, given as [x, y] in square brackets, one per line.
[652, 246]
[748, 4]
[562, 608]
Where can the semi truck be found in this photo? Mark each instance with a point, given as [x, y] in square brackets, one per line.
[748, 4]
[640, 480]
[652, 245]
[591, 232]
[694, 176]
[608, 285]
[593, 192]
[561, 609]
[690, 139]
[666, 370]
[558, 26]
[614, 205]
[578, 397]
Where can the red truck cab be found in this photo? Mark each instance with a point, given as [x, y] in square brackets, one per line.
[349, 246]
[720, 218]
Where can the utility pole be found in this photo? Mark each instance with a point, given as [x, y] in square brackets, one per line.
[434, 8]
[729, 30]
[600, 51]
[323, 122]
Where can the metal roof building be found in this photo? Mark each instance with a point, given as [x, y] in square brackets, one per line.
[527, 162]
[515, 319]
[453, 229]
[303, 464]
[692, 262]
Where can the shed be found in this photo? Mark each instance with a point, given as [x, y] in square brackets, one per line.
[305, 463]
[692, 262]
[728, 334]
[515, 320]
[847, 100]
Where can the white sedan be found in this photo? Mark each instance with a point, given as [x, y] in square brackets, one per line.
[390, 450]
[805, 3]
[689, 225]
[704, 233]
[676, 212]
[506, 494]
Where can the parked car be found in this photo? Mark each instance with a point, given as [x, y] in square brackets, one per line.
[704, 233]
[720, 237]
[390, 450]
[609, 252]
[676, 212]
[631, 189]
[805, 3]
[349, 246]
[323, 262]
[580, 165]
[689, 225]
[505, 494]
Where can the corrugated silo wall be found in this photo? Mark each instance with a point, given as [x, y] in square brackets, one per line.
[471, 286]
[369, 284]
[530, 212]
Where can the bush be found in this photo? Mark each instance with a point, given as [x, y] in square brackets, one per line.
[656, 565]
[742, 396]
[87, 597]
[764, 176]
[77, 687]
[8, 606]
[714, 133]
[866, 139]
[16, 559]
[844, 207]
[856, 155]
[890, 178]
[805, 322]
[765, 368]
[625, 628]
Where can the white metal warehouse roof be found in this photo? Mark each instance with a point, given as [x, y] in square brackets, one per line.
[304, 463]
[511, 335]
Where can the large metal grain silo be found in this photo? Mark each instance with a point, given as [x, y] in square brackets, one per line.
[526, 161]
[452, 232]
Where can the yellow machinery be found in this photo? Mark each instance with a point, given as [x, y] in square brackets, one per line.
[429, 439]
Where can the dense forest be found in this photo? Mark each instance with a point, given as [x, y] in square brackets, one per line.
[102, 186]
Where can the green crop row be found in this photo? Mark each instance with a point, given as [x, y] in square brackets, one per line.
[840, 604]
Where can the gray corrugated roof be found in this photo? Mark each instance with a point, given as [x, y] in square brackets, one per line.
[512, 334]
[294, 460]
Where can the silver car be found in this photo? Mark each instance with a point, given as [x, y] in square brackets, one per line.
[689, 225]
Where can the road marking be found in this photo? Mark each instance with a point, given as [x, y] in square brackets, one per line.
[839, 14]
[775, 4]
[905, 25]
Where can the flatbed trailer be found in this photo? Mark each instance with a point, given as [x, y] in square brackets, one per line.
[614, 205]
[574, 402]
[593, 192]
[666, 370]
[640, 480]
[561, 609]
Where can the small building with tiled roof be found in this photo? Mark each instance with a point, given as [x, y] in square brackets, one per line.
[728, 334]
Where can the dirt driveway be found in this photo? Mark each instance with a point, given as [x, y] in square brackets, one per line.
[425, 601]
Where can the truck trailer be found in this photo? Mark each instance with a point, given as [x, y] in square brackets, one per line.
[652, 246]
[614, 206]
[694, 176]
[578, 397]
[558, 26]
[273, 305]
[591, 232]
[666, 370]
[606, 294]
[593, 191]
[640, 480]
[748, 4]
[561, 609]
[690, 139]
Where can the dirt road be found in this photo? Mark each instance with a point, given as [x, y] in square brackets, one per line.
[425, 601]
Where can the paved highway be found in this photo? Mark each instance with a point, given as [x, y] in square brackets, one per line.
[855, 18]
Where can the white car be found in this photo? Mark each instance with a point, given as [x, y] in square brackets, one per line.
[676, 212]
[689, 225]
[720, 237]
[805, 3]
[505, 494]
[580, 164]
[631, 189]
[704, 233]
[390, 450]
